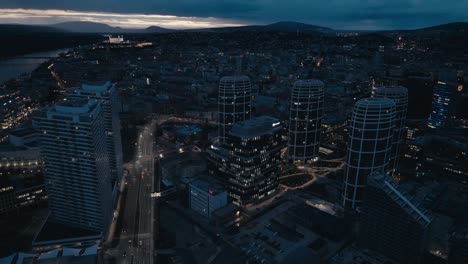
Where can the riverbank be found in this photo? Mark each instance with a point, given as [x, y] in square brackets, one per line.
[14, 67]
[18, 40]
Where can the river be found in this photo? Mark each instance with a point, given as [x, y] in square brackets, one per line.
[13, 67]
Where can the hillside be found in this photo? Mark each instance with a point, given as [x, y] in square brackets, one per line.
[24, 39]
[93, 27]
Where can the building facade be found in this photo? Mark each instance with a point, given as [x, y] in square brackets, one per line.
[391, 223]
[369, 145]
[234, 103]
[399, 95]
[206, 197]
[305, 120]
[247, 163]
[21, 180]
[106, 94]
[13, 110]
[439, 158]
[78, 179]
[440, 106]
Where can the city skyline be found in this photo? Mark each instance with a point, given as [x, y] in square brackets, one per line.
[267, 144]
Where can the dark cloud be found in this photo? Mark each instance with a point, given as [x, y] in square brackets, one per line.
[203, 8]
[333, 13]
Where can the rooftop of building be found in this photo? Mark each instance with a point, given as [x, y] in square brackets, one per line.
[392, 90]
[51, 231]
[431, 140]
[375, 102]
[331, 225]
[255, 127]
[422, 195]
[416, 199]
[96, 87]
[79, 106]
[309, 83]
[207, 185]
[235, 78]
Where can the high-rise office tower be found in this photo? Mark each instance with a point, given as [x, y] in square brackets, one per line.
[305, 120]
[73, 143]
[392, 223]
[248, 162]
[440, 106]
[106, 94]
[370, 137]
[234, 103]
[399, 95]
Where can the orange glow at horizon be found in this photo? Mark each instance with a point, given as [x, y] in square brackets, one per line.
[133, 20]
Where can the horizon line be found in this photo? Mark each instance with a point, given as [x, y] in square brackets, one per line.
[40, 17]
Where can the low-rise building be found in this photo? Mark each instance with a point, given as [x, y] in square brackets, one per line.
[206, 197]
[21, 179]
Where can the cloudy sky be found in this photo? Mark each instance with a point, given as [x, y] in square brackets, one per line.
[339, 14]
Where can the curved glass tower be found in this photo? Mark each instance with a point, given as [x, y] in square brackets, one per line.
[234, 103]
[369, 146]
[305, 120]
[399, 95]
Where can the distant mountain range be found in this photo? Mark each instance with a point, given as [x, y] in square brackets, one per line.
[275, 27]
[93, 27]
[24, 39]
[450, 27]
[17, 29]
[293, 27]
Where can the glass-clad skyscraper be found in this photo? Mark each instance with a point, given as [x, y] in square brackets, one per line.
[370, 141]
[73, 144]
[440, 106]
[234, 103]
[399, 94]
[393, 223]
[106, 94]
[247, 163]
[305, 120]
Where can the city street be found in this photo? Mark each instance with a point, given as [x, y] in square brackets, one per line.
[136, 241]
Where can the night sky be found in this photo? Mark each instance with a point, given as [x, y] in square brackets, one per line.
[338, 14]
